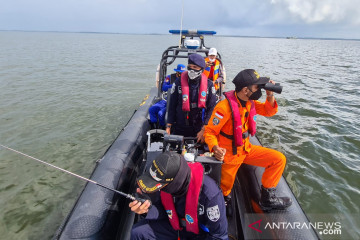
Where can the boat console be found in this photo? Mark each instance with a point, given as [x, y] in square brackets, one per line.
[159, 141]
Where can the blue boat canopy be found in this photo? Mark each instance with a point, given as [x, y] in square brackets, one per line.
[200, 32]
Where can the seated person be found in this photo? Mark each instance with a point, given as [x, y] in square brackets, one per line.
[158, 110]
[232, 145]
[189, 204]
[214, 69]
[170, 79]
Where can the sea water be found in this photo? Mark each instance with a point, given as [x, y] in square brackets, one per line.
[66, 96]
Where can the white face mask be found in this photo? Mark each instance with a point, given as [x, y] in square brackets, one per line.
[212, 60]
[194, 73]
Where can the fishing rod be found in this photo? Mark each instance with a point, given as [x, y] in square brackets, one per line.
[129, 196]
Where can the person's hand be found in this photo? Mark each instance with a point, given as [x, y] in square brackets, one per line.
[208, 64]
[168, 128]
[200, 136]
[139, 208]
[270, 93]
[219, 152]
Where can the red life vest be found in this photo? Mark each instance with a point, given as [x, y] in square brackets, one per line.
[237, 124]
[185, 92]
[191, 203]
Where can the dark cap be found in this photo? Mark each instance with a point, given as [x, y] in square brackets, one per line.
[248, 77]
[197, 60]
[162, 171]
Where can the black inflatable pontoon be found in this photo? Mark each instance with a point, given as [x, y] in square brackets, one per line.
[100, 214]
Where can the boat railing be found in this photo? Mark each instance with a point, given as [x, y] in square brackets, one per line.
[182, 51]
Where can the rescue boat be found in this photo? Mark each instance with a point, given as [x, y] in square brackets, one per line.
[102, 214]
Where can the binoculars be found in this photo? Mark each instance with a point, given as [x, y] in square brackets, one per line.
[272, 87]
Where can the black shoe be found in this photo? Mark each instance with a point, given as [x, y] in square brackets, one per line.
[269, 201]
[228, 205]
[153, 126]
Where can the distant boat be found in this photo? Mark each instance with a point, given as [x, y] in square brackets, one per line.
[291, 37]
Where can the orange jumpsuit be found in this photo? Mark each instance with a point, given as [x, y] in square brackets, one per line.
[272, 160]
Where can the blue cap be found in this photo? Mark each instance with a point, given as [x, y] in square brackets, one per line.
[180, 68]
[197, 60]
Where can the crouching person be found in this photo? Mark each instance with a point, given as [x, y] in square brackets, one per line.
[189, 204]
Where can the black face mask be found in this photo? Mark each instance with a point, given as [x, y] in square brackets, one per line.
[256, 95]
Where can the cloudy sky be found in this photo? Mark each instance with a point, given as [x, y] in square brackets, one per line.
[268, 18]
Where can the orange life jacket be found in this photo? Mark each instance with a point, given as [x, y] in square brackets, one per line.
[215, 74]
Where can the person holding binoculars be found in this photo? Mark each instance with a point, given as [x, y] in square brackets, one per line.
[227, 134]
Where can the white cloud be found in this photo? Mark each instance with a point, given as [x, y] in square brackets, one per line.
[324, 11]
[245, 17]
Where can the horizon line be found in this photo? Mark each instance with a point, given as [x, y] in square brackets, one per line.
[220, 35]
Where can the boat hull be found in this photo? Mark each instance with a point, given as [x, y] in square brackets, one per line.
[98, 212]
[101, 214]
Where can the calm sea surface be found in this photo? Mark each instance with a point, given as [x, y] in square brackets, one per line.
[66, 96]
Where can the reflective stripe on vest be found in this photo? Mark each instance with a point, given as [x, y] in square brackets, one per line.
[185, 92]
[237, 124]
[191, 204]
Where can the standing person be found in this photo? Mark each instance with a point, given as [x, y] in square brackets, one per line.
[227, 135]
[188, 205]
[214, 69]
[158, 110]
[192, 100]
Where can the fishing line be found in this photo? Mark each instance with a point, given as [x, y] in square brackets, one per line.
[129, 196]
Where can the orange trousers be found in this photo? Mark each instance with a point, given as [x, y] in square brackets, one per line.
[272, 160]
